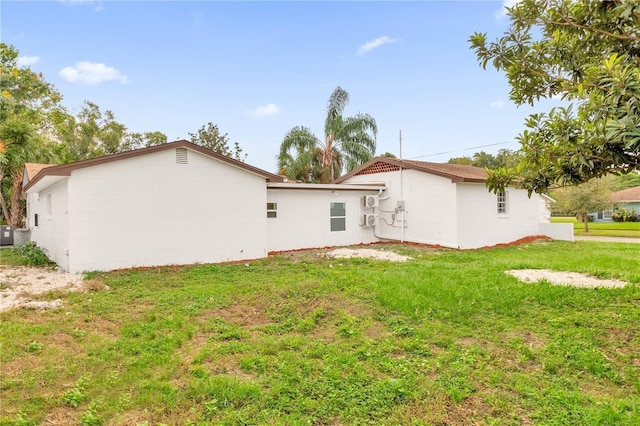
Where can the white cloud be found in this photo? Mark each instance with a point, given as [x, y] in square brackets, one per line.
[27, 61]
[497, 104]
[370, 45]
[89, 73]
[503, 10]
[266, 110]
[97, 3]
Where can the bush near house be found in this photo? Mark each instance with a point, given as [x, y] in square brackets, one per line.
[625, 215]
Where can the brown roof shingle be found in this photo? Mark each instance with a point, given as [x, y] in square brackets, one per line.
[32, 169]
[66, 169]
[626, 195]
[455, 172]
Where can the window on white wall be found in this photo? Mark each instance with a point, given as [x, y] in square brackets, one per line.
[338, 213]
[272, 210]
[607, 214]
[503, 202]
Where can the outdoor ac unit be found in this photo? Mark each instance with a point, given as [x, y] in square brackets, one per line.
[370, 201]
[369, 220]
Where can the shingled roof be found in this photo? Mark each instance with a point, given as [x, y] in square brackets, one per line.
[629, 195]
[32, 169]
[455, 172]
[66, 169]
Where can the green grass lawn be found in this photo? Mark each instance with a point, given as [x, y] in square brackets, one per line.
[447, 338]
[602, 229]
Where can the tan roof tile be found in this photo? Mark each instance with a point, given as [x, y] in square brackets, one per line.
[627, 195]
[455, 172]
[33, 169]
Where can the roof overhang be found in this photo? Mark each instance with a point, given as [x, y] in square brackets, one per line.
[66, 169]
[43, 182]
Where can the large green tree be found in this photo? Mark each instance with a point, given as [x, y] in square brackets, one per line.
[580, 200]
[348, 142]
[209, 136]
[28, 105]
[587, 53]
[91, 133]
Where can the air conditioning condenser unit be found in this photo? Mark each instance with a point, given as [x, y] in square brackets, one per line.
[369, 220]
[370, 201]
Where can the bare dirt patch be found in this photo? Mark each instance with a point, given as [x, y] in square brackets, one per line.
[19, 285]
[346, 253]
[573, 279]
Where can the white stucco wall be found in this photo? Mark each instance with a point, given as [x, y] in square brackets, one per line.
[148, 210]
[52, 232]
[480, 224]
[303, 219]
[430, 206]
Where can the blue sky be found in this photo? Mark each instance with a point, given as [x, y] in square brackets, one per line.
[257, 69]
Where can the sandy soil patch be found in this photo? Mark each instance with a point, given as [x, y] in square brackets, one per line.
[18, 285]
[345, 253]
[573, 279]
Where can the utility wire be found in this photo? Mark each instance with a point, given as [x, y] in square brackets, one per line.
[464, 149]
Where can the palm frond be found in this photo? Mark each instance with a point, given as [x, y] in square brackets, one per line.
[338, 101]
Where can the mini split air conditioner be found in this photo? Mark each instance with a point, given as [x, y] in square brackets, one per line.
[369, 220]
[370, 201]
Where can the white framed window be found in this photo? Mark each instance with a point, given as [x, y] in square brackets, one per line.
[503, 202]
[272, 210]
[607, 214]
[338, 216]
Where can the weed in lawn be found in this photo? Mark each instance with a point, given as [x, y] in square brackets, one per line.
[77, 394]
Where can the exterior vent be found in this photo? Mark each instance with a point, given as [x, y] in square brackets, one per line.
[369, 220]
[370, 201]
[181, 156]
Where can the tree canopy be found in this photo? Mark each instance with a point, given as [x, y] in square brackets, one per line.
[580, 200]
[588, 54]
[504, 158]
[348, 142]
[209, 136]
[28, 105]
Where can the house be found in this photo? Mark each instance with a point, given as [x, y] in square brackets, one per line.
[626, 199]
[179, 203]
[449, 205]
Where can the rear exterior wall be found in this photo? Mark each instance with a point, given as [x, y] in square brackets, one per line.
[150, 210]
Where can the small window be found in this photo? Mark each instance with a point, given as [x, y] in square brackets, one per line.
[181, 156]
[272, 210]
[49, 207]
[503, 202]
[338, 212]
[607, 214]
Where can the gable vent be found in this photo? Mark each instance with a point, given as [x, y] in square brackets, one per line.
[181, 156]
[378, 167]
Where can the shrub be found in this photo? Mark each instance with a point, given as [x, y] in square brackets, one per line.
[624, 215]
[32, 255]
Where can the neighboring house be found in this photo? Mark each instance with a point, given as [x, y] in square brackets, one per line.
[449, 205]
[626, 199]
[179, 203]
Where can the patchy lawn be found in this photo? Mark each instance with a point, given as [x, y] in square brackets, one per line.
[444, 338]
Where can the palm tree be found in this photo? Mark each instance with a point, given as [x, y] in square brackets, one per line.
[348, 142]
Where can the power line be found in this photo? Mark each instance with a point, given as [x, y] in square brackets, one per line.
[463, 149]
